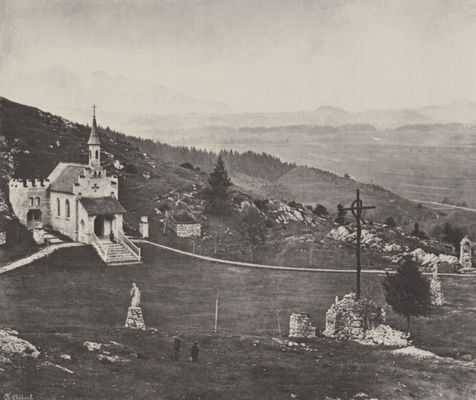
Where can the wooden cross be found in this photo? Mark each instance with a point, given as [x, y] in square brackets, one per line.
[356, 208]
[95, 187]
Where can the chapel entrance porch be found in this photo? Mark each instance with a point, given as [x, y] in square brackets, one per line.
[105, 227]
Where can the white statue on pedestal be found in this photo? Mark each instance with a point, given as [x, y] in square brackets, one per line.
[135, 295]
[134, 318]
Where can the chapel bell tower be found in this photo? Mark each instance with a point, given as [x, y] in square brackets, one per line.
[94, 144]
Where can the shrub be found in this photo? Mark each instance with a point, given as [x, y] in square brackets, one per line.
[187, 165]
[130, 169]
[320, 210]
[390, 221]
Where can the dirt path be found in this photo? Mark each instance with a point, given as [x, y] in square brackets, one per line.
[36, 256]
[277, 267]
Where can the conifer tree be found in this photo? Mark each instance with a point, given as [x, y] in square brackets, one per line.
[219, 182]
[407, 291]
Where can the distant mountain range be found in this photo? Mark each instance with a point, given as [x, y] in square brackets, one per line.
[145, 108]
[154, 125]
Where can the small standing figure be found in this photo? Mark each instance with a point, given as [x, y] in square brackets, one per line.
[135, 295]
[177, 347]
[194, 352]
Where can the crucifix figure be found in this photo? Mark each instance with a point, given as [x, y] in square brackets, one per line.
[356, 208]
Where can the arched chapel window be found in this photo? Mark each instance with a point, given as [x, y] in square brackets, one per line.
[97, 154]
[58, 207]
[68, 209]
[31, 202]
[38, 201]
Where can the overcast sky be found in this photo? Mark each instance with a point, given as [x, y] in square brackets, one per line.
[253, 55]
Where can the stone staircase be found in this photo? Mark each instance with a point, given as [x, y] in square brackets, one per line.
[116, 253]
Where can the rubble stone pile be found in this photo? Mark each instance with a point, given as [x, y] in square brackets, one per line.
[349, 318]
[385, 335]
[300, 326]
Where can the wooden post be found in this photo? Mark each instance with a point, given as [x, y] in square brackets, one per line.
[279, 323]
[216, 314]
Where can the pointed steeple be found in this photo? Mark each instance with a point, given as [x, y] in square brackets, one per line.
[94, 144]
[94, 137]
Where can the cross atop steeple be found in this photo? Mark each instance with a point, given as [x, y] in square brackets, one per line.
[94, 111]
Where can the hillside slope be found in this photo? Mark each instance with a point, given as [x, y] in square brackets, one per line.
[34, 141]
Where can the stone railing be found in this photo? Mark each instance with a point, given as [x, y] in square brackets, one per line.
[100, 247]
[135, 250]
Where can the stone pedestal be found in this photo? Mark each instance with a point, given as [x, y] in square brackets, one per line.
[144, 227]
[436, 290]
[134, 319]
[300, 326]
[350, 318]
[39, 236]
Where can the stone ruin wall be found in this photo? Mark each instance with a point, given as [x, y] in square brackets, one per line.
[300, 326]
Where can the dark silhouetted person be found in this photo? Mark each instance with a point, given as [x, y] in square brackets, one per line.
[194, 352]
[177, 347]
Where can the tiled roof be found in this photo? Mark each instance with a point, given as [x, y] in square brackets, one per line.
[102, 205]
[66, 178]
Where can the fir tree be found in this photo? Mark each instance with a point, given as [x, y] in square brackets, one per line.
[219, 183]
[407, 291]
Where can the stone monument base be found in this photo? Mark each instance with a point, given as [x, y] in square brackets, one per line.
[134, 319]
[349, 318]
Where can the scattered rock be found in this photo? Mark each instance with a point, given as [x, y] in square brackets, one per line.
[386, 336]
[50, 364]
[92, 346]
[415, 352]
[113, 358]
[65, 357]
[10, 343]
[467, 357]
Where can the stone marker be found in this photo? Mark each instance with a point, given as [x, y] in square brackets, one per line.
[436, 290]
[465, 256]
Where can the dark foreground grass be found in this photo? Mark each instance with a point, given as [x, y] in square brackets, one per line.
[71, 297]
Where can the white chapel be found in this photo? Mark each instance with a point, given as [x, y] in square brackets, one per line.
[80, 201]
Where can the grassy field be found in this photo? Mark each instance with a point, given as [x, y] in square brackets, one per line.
[71, 297]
